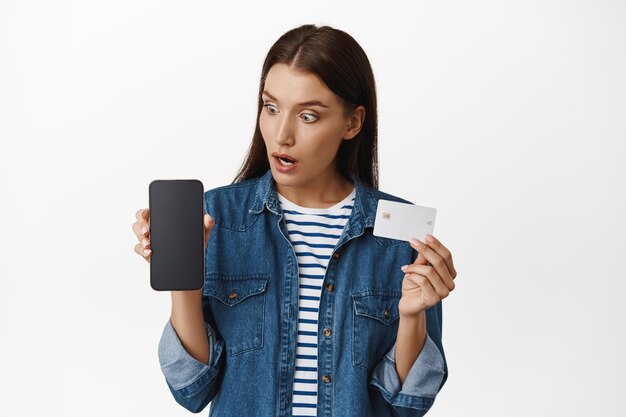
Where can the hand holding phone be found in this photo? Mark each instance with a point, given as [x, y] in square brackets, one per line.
[177, 235]
[142, 230]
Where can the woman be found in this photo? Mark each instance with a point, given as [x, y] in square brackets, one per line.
[304, 311]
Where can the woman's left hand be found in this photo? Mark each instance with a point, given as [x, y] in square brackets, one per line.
[425, 285]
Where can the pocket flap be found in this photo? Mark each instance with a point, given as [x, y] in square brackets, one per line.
[382, 306]
[233, 289]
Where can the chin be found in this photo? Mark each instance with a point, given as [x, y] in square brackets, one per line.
[286, 180]
[282, 179]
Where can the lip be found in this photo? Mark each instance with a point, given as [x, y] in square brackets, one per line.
[283, 168]
[284, 155]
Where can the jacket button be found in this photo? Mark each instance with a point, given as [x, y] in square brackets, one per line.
[326, 378]
[330, 287]
[327, 332]
[386, 313]
[232, 295]
[336, 255]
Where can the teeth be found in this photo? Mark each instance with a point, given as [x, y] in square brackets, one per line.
[284, 162]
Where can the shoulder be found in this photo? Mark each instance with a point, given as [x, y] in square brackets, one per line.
[229, 205]
[373, 195]
[378, 195]
[235, 189]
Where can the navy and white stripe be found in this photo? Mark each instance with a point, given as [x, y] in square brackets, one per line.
[314, 233]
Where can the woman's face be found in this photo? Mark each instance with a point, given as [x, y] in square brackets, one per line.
[308, 133]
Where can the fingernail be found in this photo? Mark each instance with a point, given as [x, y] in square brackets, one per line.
[404, 267]
[146, 251]
[144, 241]
[144, 230]
[416, 241]
[429, 238]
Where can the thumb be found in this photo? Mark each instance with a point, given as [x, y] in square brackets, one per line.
[208, 226]
[421, 259]
[208, 221]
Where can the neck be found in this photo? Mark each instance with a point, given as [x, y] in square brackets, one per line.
[322, 192]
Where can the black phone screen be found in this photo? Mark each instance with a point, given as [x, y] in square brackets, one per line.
[176, 234]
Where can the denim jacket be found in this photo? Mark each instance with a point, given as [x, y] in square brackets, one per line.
[250, 305]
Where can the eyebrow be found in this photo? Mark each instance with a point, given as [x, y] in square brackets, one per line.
[305, 103]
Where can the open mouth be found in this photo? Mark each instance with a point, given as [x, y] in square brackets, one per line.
[285, 161]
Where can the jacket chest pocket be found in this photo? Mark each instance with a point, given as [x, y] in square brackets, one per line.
[237, 304]
[375, 326]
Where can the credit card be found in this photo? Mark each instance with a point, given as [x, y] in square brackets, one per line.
[403, 221]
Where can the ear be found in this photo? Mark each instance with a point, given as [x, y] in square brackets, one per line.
[355, 123]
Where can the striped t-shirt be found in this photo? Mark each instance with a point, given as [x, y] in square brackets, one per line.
[314, 233]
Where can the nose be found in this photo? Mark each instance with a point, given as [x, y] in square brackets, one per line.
[284, 132]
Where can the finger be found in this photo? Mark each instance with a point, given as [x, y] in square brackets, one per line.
[143, 240]
[141, 230]
[141, 251]
[208, 221]
[427, 289]
[436, 261]
[421, 259]
[145, 244]
[443, 252]
[143, 215]
[208, 226]
[437, 283]
[143, 218]
[416, 269]
[441, 287]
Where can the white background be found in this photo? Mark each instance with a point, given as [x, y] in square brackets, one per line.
[506, 116]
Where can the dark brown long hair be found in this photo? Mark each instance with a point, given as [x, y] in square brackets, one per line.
[341, 64]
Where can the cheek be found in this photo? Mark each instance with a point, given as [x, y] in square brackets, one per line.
[330, 139]
[324, 148]
[261, 122]
[264, 128]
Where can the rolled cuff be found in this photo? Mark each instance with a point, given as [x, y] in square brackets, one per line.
[179, 367]
[421, 384]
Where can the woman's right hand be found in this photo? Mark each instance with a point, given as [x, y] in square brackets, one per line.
[142, 230]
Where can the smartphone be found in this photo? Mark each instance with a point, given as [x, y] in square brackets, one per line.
[403, 221]
[176, 234]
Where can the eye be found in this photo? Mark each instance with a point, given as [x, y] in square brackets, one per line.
[267, 106]
[312, 115]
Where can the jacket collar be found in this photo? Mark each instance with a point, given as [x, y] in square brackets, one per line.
[363, 212]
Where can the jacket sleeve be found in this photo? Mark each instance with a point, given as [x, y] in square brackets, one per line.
[426, 377]
[192, 383]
